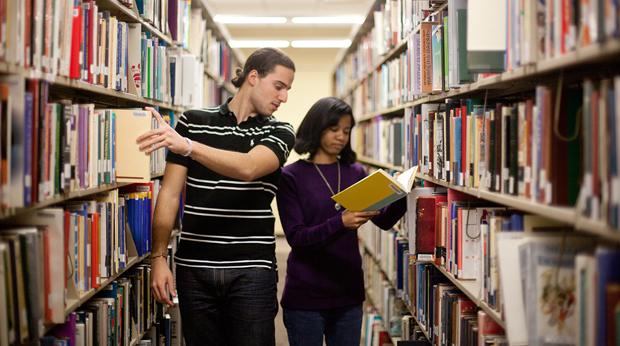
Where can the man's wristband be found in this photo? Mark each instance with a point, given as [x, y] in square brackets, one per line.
[191, 146]
[158, 254]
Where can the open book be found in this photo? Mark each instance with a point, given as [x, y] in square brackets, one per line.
[376, 190]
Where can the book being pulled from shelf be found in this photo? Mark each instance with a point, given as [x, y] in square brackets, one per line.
[376, 190]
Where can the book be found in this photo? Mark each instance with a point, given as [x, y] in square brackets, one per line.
[376, 191]
[132, 164]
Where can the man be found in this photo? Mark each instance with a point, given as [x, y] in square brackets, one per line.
[231, 157]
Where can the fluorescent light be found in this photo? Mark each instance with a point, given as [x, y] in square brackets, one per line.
[249, 20]
[328, 20]
[321, 43]
[258, 43]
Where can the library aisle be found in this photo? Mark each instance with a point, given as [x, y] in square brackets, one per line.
[282, 251]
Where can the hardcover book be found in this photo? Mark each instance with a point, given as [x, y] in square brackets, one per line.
[376, 191]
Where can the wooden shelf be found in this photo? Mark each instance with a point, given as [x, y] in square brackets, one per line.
[422, 327]
[59, 198]
[377, 163]
[131, 15]
[137, 340]
[220, 81]
[88, 90]
[469, 287]
[568, 215]
[74, 304]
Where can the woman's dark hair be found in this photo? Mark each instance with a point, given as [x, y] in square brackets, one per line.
[324, 114]
[264, 61]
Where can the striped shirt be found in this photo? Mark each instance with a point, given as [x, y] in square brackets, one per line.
[228, 223]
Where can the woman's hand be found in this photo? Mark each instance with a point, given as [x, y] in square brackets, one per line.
[354, 219]
[164, 136]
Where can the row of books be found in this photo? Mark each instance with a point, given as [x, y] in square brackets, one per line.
[381, 138]
[393, 22]
[119, 314]
[81, 42]
[495, 239]
[83, 241]
[383, 314]
[447, 50]
[520, 147]
[446, 316]
[50, 148]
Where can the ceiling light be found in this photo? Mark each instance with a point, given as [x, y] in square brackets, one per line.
[249, 20]
[321, 43]
[328, 20]
[258, 43]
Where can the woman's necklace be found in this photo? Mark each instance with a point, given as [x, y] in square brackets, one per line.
[337, 206]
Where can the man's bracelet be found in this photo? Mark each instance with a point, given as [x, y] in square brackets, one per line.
[158, 254]
[191, 146]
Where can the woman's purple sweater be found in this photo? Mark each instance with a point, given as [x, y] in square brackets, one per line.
[324, 268]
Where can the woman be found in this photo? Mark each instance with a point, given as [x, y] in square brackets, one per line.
[324, 288]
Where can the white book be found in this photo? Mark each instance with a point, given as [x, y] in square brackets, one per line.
[585, 280]
[66, 37]
[93, 146]
[134, 56]
[94, 46]
[189, 75]
[37, 42]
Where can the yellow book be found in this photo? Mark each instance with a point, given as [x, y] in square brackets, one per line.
[376, 190]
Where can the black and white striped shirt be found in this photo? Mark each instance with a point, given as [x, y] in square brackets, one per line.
[228, 223]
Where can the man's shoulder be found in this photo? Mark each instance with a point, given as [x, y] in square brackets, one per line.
[202, 112]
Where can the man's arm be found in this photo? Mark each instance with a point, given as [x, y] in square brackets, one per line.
[166, 210]
[257, 163]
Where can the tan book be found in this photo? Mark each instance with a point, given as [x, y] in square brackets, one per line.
[426, 56]
[132, 164]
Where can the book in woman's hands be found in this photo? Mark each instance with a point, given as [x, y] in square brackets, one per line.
[376, 190]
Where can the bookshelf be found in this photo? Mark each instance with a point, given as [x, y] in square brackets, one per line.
[31, 126]
[376, 76]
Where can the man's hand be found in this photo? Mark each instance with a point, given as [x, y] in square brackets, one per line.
[161, 276]
[164, 136]
[354, 219]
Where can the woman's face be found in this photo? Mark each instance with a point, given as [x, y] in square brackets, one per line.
[334, 138]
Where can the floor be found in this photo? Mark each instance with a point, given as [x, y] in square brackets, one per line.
[282, 250]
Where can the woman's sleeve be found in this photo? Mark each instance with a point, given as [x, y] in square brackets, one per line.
[390, 214]
[298, 234]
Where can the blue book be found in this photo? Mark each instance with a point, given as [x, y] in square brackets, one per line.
[457, 151]
[28, 103]
[112, 147]
[121, 235]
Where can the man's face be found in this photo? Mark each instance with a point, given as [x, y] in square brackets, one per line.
[272, 90]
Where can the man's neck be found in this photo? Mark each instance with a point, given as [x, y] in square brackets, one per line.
[241, 107]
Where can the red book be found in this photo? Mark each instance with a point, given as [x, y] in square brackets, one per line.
[95, 274]
[487, 326]
[76, 43]
[67, 237]
[425, 226]
[528, 163]
[28, 34]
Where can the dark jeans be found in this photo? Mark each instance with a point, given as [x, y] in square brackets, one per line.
[227, 306]
[341, 326]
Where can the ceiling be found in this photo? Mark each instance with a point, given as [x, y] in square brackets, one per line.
[290, 8]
